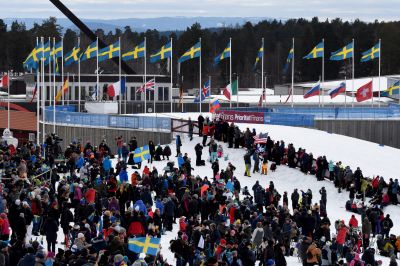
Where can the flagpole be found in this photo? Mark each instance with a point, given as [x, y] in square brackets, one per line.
[38, 99]
[292, 72]
[345, 92]
[120, 83]
[54, 86]
[79, 78]
[230, 75]
[97, 69]
[154, 95]
[237, 95]
[43, 94]
[352, 103]
[200, 77]
[49, 76]
[323, 72]
[379, 74]
[62, 67]
[262, 68]
[145, 72]
[319, 94]
[209, 91]
[126, 94]
[8, 100]
[170, 97]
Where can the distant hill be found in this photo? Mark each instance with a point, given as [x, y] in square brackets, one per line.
[143, 24]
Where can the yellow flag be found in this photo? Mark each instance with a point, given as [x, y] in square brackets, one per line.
[62, 91]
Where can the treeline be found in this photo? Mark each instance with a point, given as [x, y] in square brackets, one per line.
[17, 43]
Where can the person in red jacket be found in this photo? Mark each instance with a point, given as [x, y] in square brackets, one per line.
[341, 237]
[205, 133]
[353, 221]
[90, 195]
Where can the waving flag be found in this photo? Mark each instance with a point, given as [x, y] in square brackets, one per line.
[316, 52]
[164, 52]
[72, 56]
[147, 245]
[372, 53]
[364, 92]
[225, 54]
[336, 91]
[33, 58]
[259, 57]
[149, 85]
[314, 91]
[136, 53]
[231, 89]
[392, 90]
[141, 154]
[4, 81]
[343, 53]
[193, 52]
[214, 105]
[288, 60]
[109, 52]
[90, 52]
[34, 93]
[62, 91]
[205, 92]
[117, 88]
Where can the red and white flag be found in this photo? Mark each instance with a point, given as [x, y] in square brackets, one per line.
[258, 140]
[262, 98]
[364, 92]
[149, 85]
[4, 81]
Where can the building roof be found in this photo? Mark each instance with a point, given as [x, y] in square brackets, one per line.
[25, 121]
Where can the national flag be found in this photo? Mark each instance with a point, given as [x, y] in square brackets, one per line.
[372, 53]
[313, 91]
[193, 52]
[336, 91]
[95, 92]
[316, 52]
[259, 57]
[46, 55]
[164, 52]
[72, 56]
[136, 53]
[214, 105]
[392, 90]
[31, 62]
[149, 85]
[343, 53]
[62, 91]
[148, 245]
[141, 154]
[34, 93]
[116, 88]
[262, 98]
[231, 89]
[90, 52]
[58, 49]
[364, 92]
[205, 92]
[288, 60]
[109, 52]
[225, 54]
[258, 140]
[4, 81]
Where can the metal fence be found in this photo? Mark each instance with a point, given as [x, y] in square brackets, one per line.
[110, 121]
[388, 112]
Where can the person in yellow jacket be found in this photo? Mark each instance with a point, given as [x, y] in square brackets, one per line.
[264, 167]
[313, 254]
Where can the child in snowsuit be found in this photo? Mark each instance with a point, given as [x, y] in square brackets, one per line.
[264, 167]
[220, 151]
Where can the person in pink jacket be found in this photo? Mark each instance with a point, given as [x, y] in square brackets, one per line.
[5, 227]
[356, 261]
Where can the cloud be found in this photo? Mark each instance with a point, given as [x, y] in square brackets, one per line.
[106, 9]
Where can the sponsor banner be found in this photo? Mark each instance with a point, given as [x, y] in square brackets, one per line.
[240, 117]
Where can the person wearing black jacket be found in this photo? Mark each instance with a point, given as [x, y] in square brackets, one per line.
[152, 150]
[132, 144]
[190, 125]
[199, 151]
[200, 121]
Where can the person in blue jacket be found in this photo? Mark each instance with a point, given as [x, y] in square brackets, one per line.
[178, 143]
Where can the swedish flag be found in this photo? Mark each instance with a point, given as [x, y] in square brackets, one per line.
[164, 52]
[259, 57]
[109, 52]
[372, 53]
[90, 52]
[392, 90]
[225, 54]
[147, 245]
[193, 52]
[33, 58]
[136, 53]
[72, 56]
[343, 53]
[289, 58]
[316, 52]
[141, 154]
[55, 52]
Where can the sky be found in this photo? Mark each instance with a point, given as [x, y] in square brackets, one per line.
[368, 10]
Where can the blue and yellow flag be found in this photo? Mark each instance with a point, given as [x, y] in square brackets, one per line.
[109, 52]
[57, 50]
[46, 54]
[141, 154]
[392, 90]
[288, 60]
[316, 52]
[343, 53]
[372, 53]
[72, 56]
[31, 62]
[90, 52]
[226, 53]
[259, 57]
[164, 52]
[193, 52]
[147, 245]
[136, 53]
